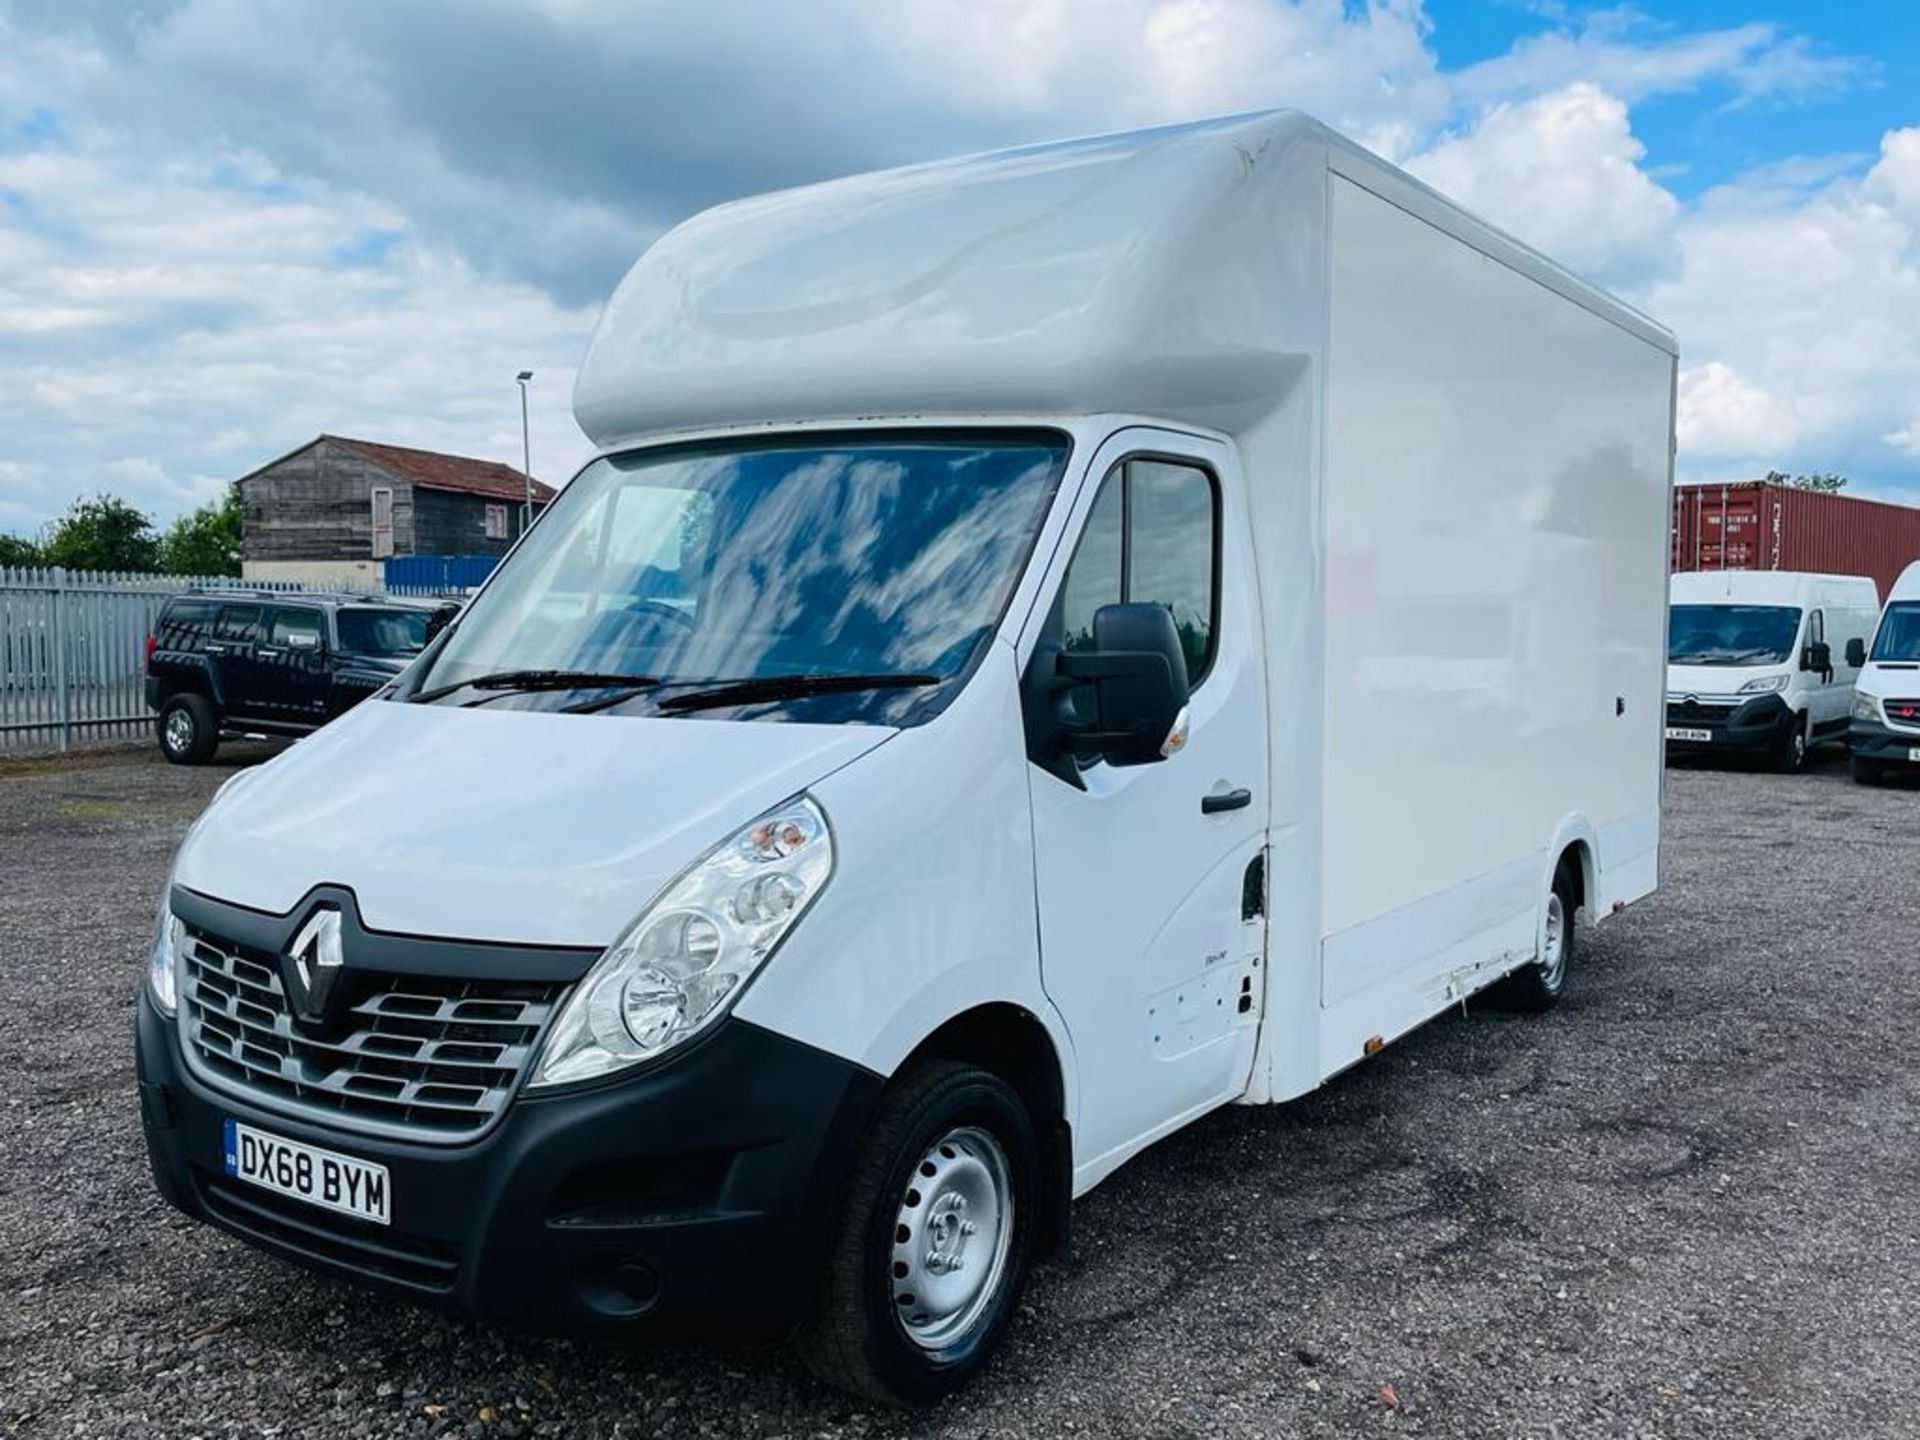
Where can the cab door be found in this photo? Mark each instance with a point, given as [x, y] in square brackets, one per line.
[295, 680]
[1149, 877]
[231, 654]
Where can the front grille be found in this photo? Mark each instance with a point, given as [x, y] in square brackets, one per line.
[1696, 715]
[285, 1224]
[1902, 714]
[417, 1056]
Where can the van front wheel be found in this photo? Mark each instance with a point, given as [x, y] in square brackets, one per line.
[1790, 754]
[933, 1246]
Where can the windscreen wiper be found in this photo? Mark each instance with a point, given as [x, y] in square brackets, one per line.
[526, 681]
[750, 690]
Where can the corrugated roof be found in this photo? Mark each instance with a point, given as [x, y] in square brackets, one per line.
[436, 471]
[432, 469]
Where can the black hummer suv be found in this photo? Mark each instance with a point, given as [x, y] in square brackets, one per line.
[247, 662]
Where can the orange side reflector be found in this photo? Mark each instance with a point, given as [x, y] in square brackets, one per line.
[1373, 1046]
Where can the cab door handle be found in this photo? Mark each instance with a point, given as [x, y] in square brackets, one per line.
[1226, 800]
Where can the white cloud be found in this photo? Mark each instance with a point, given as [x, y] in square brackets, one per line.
[1808, 303]
[1724, 415]
[1562, 172]
[1622, 53]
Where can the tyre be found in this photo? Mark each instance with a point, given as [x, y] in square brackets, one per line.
[1539, 986]
[189, 733]
[1790, 754]
[932, 1248]
[1867, 772]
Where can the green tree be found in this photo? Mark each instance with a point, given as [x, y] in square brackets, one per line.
[18, 552]
[205, 541]
[1822, 480]
[104, 533]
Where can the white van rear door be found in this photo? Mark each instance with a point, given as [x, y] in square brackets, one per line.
[1152, 930]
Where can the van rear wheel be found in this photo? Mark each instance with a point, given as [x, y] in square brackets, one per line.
[188, 732]
[932, 1249]
[1539, 986]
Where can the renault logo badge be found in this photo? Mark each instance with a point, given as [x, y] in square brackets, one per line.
[317, 956]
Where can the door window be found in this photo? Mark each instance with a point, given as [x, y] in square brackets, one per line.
[295, 629]
[1816, 627]
[239, 622]
[1152, 535]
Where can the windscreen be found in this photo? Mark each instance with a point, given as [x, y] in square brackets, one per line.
[1731, 634]
[881, 553]
[1899, 635]
[389, 634]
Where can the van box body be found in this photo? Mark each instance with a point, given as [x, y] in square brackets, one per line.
[1760, 661]
[1438, 470]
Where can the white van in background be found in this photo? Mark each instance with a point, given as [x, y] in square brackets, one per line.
[1886, 696]
[966, 723]
[1761, 663]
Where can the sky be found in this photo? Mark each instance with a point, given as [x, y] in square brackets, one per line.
[229, 225]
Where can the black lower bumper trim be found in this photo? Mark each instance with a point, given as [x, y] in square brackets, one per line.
[691, 1200]
[1882, 745]
[1757, 726]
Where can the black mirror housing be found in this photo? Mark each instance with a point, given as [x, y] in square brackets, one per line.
[1817, 657]
[1138, 673]
[1856, 652]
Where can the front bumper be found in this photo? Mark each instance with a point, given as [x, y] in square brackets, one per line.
[692, 1199]
[1756, 726]
[1882, 745]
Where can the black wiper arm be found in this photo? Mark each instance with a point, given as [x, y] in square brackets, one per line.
[529, 680]
[748, 691]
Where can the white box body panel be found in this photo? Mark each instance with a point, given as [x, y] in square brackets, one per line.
[1496, 482]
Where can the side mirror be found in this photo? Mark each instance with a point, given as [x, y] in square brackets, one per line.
[1817, 657]
[442, 616]
[1138, 674]
[1856, 652]
[303, 640]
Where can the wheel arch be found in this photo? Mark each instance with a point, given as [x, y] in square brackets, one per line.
[1575, 840]
[1015, 1044]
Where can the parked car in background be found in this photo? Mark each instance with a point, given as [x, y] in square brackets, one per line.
[1761, 663]
[1885, 736]
[227, 662]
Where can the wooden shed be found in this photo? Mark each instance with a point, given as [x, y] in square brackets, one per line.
[332, 511]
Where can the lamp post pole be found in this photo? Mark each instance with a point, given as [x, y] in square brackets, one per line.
[526, 452]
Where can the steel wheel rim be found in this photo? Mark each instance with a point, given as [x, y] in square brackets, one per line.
[1553, 959]
[179, 732]
[952, 1235]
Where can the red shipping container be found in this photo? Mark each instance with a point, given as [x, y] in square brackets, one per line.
[1753, 525]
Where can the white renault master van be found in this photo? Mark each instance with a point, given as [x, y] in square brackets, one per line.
[1885, 737]
[971, 720]
[1761, 663]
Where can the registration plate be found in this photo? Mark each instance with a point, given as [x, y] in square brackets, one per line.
[1675, 732]
[306, 1172]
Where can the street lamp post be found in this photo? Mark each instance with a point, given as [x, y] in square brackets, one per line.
[526, 452]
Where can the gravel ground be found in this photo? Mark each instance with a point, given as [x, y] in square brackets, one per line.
[1683, 1204]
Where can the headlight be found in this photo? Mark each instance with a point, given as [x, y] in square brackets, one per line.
[1867, 707]
[163, 965]
[1765, 685]
[679, 966]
